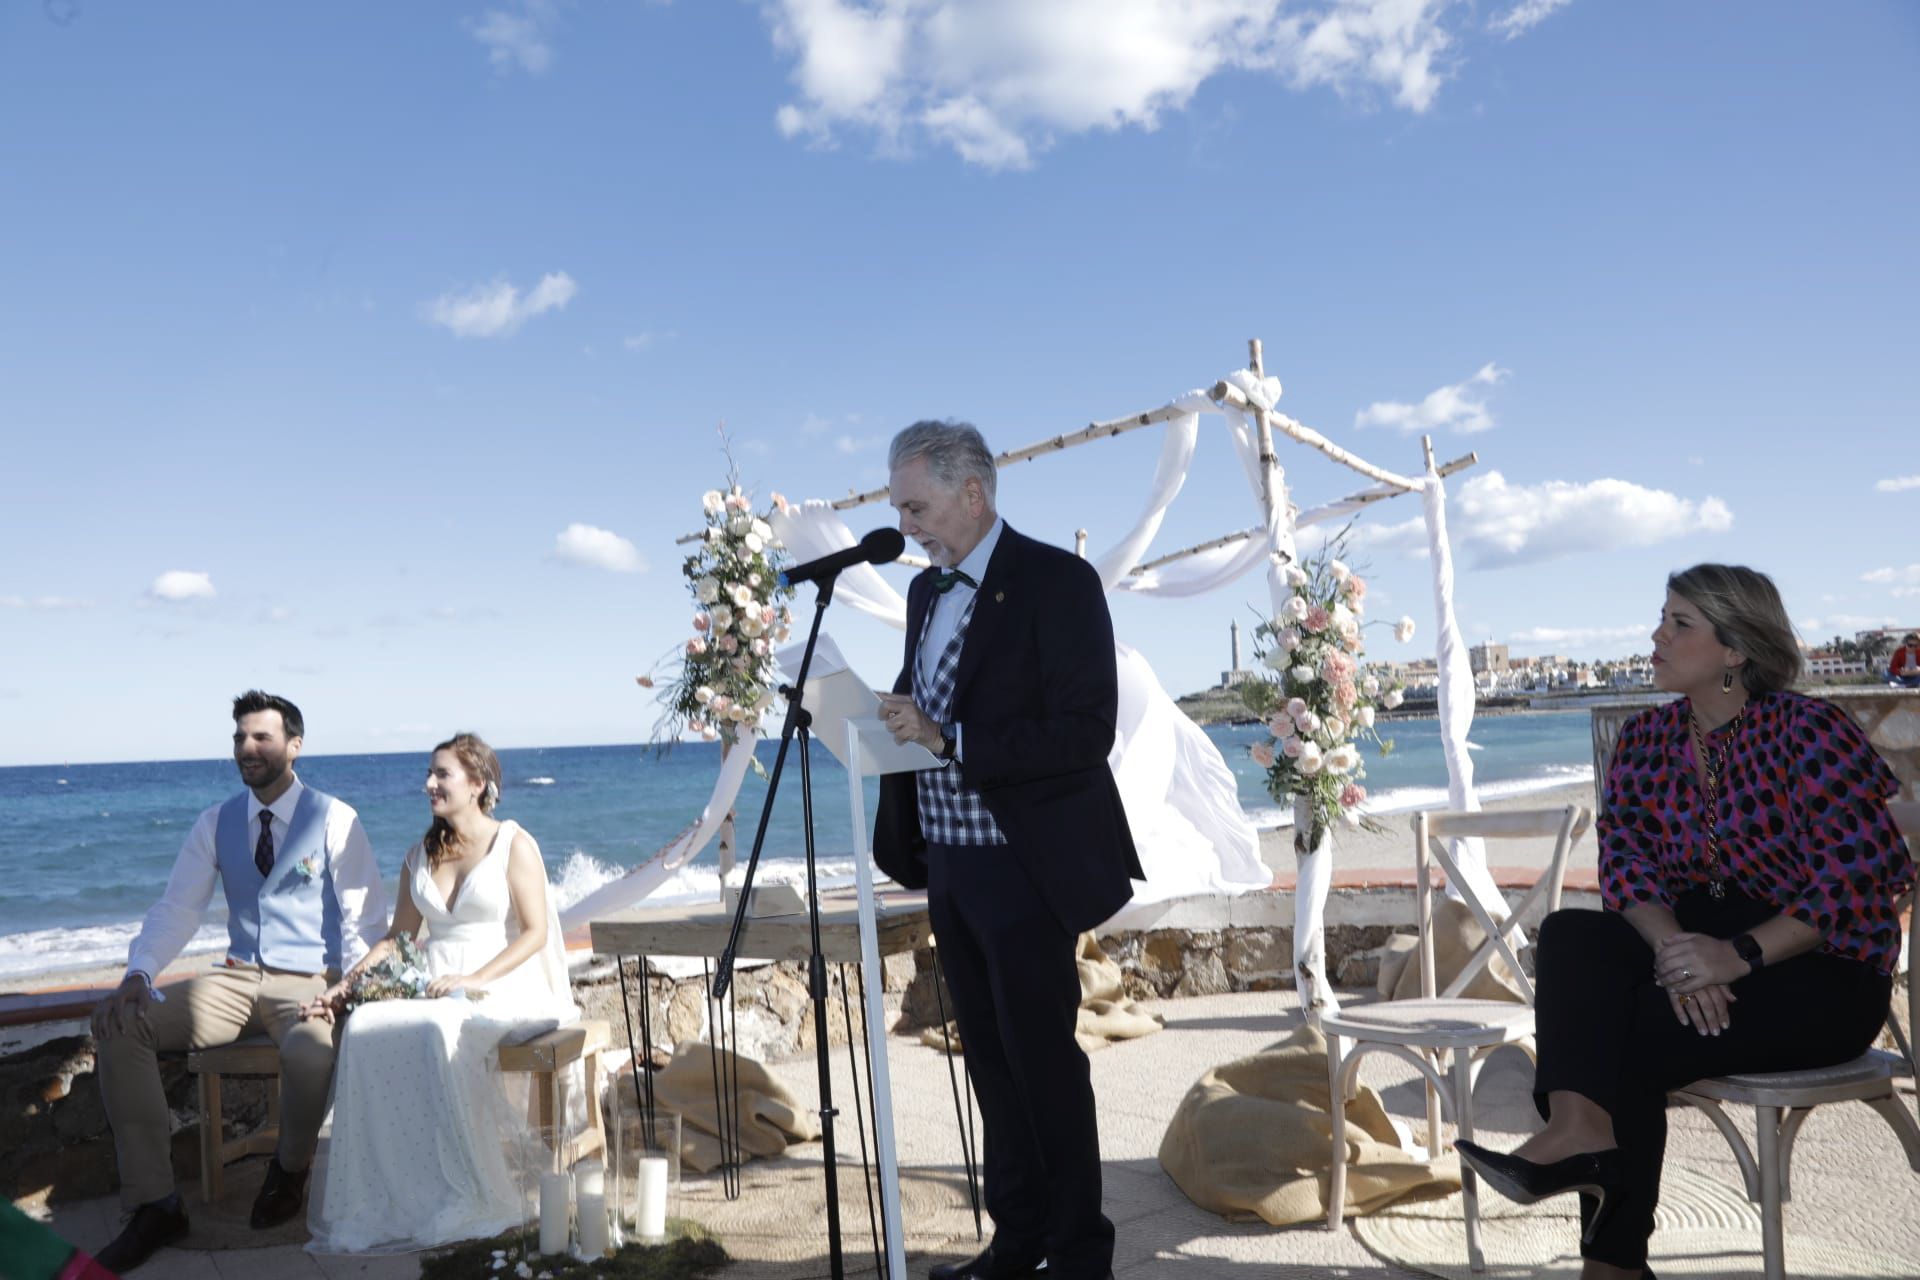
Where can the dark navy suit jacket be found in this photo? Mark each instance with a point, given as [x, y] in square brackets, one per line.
[1036, 693]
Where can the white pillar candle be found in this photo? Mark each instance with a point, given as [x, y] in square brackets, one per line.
[590, 1179]
[555, 1191]
[653, 1197]
[593, 1224]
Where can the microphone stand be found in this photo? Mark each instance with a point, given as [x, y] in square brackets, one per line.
[799, 724]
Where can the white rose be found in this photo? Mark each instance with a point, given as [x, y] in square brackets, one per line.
[1274, 659]
[1403, 631]
[736, 713]
[1295, 609]
[706, 590]
[1343, 759]
[722, 617]
[761, 530]
[1348, 627]
[712, 502]
[1393, 699]
[1296, 577]
[741, 594]
[751, 627]
[755, 543]
[1341, 614]
[739, 525]
[703, 695]
[1310, 760]
[1370, 686]
[1336, 727]
[1303, 675]
[1339, 571]
[1364, 717]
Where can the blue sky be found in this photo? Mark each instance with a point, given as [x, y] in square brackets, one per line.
[323, 323]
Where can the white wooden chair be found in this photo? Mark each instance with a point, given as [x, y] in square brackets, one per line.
[1783, 1100]
[1442, 1034]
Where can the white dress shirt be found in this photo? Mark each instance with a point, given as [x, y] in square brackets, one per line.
[943, 617]
[172, 921]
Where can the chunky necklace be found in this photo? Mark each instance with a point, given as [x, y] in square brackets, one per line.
[1713, 760]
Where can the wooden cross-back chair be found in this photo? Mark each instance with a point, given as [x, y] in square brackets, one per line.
[1443, 1034]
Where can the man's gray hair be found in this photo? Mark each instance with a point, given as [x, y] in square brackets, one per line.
[955, 452]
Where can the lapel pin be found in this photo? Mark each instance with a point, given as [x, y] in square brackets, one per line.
[999, 597]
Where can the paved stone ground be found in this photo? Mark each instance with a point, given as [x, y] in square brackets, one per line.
[1850, 1180]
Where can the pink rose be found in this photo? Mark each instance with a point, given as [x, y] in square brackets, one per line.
[1281, 727]
[1317, 618]
[1356, 589]
[1344, 694]
[1352, 794]
[1263, 754]
[701, 622]
[1292, 748]
[767, 616]
[696, 647]
[729, 645]
[1296, 707]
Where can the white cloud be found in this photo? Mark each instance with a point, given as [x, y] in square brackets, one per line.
[1905, 593]
[1579, 637]
[1525, 16]
[998, 80]
[1458, 407]
[517, 40]
[1495, 525]
[1844, 623]
[496, 310]
[858, 444]
[645, 339]
[44, 604]
[1908, 576]
[597, 549]
[182, 584]
[1897, 484]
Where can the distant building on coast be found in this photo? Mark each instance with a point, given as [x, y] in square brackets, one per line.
[1487, 659]
[1236, 674]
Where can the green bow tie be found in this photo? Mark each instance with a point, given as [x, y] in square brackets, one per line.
[945, 580]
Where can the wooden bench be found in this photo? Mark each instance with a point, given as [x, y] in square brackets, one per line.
[546, 1057]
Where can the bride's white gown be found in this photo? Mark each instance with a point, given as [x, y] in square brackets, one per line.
[422, 1122]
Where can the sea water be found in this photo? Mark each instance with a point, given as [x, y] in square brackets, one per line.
[85, 849]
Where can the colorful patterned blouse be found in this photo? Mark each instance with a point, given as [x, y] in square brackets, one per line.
[1803, 820]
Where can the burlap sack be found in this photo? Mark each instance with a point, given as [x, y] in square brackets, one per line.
[1253, 1138]
[1104, 1015]
[770, 1117]
[1456, 936]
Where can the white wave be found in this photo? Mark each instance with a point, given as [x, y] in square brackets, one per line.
[541, 781]
[1409, 799]
[53, 951]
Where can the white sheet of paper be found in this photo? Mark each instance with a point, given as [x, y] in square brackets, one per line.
[837, 697]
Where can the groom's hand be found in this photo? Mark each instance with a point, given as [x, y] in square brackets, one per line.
[111, 1016]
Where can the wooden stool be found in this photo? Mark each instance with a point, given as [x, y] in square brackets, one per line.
[548, 1058]
[254, 1056]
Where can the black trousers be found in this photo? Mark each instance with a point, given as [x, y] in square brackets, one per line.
[1011, 969]
[1607, 1031]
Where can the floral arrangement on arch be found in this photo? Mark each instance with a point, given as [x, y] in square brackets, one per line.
[727, 674]
[1319, 704]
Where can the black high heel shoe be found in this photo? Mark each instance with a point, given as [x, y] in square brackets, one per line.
[1595, 1172]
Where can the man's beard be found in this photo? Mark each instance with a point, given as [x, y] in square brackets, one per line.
[272, 772]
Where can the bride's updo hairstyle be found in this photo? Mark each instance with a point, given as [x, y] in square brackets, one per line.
[477, 758]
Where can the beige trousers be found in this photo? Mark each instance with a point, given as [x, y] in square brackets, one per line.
[215, 1008]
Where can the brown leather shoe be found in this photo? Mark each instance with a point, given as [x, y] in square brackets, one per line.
[989, 1266]
[150, 1227]
[281, 1196]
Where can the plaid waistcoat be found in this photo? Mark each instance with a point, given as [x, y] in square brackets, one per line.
[951, 812]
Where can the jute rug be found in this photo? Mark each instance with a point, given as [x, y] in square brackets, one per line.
[1702, 1228]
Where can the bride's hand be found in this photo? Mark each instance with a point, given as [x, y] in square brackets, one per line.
[324, 1005]
[447, 984]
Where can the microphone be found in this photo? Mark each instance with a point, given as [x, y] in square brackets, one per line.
[878, 547]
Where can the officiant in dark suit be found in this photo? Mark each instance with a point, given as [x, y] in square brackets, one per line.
[1019, 836]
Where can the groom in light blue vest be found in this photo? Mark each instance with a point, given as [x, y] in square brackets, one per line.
[304, 902]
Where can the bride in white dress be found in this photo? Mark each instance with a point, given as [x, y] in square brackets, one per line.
[422, 1121]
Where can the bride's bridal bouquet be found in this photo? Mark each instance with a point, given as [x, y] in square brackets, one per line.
[401, 974]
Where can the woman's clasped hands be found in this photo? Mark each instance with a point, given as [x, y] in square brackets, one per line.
[1698, 972]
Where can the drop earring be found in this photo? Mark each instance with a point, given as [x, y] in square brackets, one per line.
[1726, 681]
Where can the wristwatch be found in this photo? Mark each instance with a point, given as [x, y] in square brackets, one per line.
[1747, 949]
[949, 743]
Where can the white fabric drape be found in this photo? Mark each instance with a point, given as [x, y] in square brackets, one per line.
[1456, 697]
[652, 873]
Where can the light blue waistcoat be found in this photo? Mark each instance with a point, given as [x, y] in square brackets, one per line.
[291, 918]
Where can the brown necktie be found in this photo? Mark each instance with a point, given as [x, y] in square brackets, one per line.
[263, 847]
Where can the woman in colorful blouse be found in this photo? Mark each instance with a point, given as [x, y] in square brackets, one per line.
[1750, 873]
